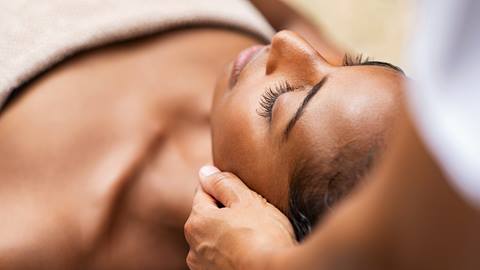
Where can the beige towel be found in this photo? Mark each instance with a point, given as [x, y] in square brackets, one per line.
[36, 34]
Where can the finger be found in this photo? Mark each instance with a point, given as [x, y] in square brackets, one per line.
[203, 199]
[223, 186]
[191, 261]
[202, 207]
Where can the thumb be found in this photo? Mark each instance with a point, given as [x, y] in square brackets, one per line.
[225, 187]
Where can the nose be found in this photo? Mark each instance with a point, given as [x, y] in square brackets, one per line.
[291, 54]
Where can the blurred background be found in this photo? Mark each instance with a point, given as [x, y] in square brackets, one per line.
[380, 29]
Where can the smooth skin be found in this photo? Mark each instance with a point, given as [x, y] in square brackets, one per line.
[351, 112]
[406, 217]
[99, 155]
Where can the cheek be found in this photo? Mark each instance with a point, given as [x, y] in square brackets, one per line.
[234, 139]
[223, 126]
[241, 146]
[238, 138]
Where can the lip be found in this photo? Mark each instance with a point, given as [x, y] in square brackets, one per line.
[243, 58]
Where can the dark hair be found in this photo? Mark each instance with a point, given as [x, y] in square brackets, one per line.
[317, 185]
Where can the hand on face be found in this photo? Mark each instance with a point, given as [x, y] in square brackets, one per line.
[352, 109]
[241, 235]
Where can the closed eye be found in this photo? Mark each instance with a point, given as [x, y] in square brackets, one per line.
[270, 96]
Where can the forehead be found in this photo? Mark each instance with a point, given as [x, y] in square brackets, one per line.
[361, 89]
[365, 80]
[356, 104]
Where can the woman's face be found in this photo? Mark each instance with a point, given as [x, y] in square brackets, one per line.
[280, 104]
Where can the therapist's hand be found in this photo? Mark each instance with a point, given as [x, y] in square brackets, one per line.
[245, 234]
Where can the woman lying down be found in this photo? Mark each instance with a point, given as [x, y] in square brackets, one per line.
[100, 151]
[299, 130]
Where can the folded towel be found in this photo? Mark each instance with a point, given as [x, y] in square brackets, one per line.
[36, 34]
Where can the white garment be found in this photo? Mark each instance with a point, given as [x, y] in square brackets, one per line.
[445, 97]
[37, 34]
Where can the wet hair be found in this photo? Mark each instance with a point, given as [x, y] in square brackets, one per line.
[317, 186]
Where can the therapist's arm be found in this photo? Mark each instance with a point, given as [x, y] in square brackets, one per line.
[406, 217]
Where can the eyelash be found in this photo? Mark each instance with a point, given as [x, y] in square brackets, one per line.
[355, 60]
[270, 96]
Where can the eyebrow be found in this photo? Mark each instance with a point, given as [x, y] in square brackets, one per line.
[301, 108]
[379, 64]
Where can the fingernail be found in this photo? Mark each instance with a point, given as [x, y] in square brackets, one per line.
[207, 170]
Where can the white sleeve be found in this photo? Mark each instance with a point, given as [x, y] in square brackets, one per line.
[445, 94]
